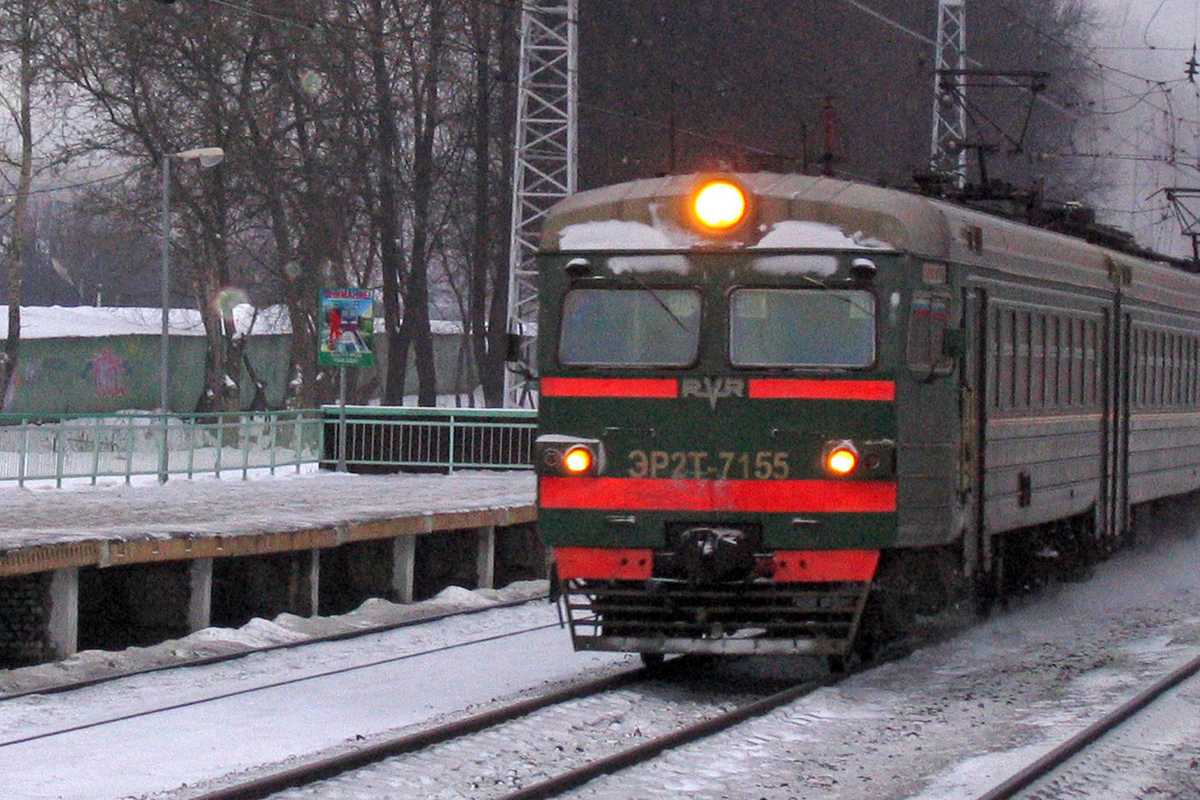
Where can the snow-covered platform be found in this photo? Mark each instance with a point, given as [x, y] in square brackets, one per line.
[259, 542]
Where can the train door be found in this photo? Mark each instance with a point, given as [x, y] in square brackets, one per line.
[977, 545]
[1117, 402]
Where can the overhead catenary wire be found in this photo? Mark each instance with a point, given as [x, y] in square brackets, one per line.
[1154, 87]
[77, 185]
[449, 44]
[310, 24]
[926, 40]
[1153, 84]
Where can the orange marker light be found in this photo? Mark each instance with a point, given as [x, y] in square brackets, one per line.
[842, 460]
[578, 460]
[720, 205]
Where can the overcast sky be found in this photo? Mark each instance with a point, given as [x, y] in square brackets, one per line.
[1163, 22]
[1152, 39]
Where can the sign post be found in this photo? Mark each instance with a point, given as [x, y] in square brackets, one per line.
[346, 338]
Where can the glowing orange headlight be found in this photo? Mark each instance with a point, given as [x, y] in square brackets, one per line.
[842, 459]
[720, 205]
[578, 460]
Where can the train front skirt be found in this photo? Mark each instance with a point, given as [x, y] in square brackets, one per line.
[755, 617]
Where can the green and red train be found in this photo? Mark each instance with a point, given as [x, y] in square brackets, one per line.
[779, 413]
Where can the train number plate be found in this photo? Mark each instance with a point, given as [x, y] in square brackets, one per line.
[724, 465]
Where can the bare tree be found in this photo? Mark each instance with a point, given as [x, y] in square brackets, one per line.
[386, 143]
[424, 46]
[22, 33]
[306, 168]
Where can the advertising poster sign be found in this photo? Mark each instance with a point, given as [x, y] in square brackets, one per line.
[347, 328]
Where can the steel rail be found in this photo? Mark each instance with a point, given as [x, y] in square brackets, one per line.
[264, 687]
[334, 765]
[552, 787]
[1021, 780]
[220, 658]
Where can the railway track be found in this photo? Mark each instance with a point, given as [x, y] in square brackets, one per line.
[573, 779]
[1025, 782]
[442, 756]
[264, 687]
[203, 661]
[338, 764]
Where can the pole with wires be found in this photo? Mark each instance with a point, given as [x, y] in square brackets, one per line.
[545, 162]
[949, 155]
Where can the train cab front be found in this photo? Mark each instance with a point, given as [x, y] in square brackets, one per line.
[716, 453]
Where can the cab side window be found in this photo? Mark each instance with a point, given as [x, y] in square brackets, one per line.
[928, 316]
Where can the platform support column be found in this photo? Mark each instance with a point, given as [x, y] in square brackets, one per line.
[303, 583]
[485, 558]
[62, 629]
[200, 575]
[314, 582]
[404, 559]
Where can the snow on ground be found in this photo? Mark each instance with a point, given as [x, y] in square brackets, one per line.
[525, 751]
[51, 322]
[952, 720]
[235, 507]
[284, 630]
[947, 722]
[56, 322]
[113, 482]
[180, 750]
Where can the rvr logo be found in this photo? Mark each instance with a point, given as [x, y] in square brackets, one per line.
[712, 388]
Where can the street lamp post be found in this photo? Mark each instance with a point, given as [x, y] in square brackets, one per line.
[208, 157]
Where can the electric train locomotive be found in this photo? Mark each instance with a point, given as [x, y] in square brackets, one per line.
[783, 413]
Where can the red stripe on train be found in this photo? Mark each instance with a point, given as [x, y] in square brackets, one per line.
[609, 387]
[823, 566]
[810, 389]
[651, 494]
[786, 566]
[625, 564]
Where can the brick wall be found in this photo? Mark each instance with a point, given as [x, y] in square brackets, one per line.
[24, 605]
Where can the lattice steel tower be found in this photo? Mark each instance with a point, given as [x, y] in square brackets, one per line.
[545, 167]
[949, 156]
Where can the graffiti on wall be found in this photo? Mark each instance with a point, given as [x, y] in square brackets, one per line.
[107, 371]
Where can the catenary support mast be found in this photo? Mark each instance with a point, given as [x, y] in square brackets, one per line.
[545, 167]
[949, 157]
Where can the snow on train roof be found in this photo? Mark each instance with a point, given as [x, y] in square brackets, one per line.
[632, 216]
[793, 212]
[59, 322]
[803, 212]
[620, 235]
[613, 234]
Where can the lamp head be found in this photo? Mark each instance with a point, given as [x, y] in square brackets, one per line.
[208, 156]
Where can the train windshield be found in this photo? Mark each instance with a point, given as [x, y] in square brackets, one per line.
[801, 328]
[630, 327]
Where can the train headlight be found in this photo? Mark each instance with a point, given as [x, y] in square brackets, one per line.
[841, 458]
[578, 460]
[720, 205]
[563, 455]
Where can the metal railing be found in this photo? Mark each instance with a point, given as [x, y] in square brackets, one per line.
[127, 445]
[382, 438]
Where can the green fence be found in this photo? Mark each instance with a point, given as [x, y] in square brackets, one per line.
[407, 438]
[133, 444]
[378, 439]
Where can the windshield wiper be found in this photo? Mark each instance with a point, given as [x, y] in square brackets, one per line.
[642, 285]
[870, 312]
